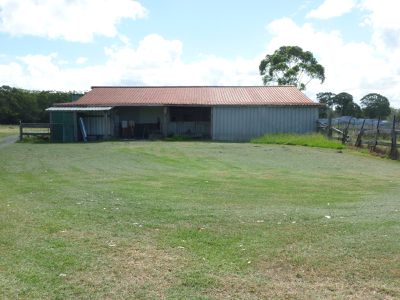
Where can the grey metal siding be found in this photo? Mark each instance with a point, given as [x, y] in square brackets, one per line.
[98, 124]
[242, 123]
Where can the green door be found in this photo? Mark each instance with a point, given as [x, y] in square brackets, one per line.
[63, 126]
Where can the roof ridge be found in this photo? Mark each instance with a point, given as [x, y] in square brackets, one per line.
[191, 86]
[194, 95]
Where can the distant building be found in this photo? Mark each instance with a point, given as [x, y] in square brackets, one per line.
[225, 113]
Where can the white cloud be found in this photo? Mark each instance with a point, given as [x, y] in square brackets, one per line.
[382, 13]
[382, 16]
[156, 61]
[152, 51]
[72, 20]
[332, 8]
[11, 73]
[356, 68]
[81, 60]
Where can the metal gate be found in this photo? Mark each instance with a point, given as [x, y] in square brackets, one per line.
[62, 127]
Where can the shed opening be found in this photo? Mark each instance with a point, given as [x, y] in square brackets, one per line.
[190, 121]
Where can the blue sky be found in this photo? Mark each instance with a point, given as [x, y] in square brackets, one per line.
[72, 45]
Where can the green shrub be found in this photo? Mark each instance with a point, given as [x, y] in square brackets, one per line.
[309, 140]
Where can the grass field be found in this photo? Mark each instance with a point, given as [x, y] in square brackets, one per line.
[7, 130]
[194, 220]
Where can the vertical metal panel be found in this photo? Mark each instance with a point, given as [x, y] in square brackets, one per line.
[63, 127]
[97, 124]
[115, 123]
[242, 123]
[75, 120]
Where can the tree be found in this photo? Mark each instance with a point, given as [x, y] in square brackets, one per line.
[394, 112]
[328, 99]
[345, 106]
[46, 99]
[375, 105]
[342, 104]
[290, 65]
[29, 106]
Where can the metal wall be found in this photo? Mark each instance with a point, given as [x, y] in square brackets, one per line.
[242, 123]
[98, 124]
[63, 126]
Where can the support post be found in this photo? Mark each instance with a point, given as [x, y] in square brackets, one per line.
[373, 148]
[165, 122]
[359, 136]
[20, 131]
[329, 124]
[345, 132]
[106, 135]
[75, 121]
[394, 154]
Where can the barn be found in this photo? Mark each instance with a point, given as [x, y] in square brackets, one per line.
[223, 113]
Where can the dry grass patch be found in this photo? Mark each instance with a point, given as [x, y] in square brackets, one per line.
[130, 272]
[288, 282]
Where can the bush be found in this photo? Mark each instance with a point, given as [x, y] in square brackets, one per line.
[309, 140]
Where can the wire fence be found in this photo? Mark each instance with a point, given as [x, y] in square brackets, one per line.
[379, 136]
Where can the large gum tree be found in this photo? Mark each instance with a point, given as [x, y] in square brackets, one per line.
[375, 105]
[290, 65]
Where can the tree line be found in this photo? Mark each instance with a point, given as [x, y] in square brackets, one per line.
[372, 106]
[29, 106]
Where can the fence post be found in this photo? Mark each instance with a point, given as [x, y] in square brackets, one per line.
[373, 148]
[345, 132]
[393, 148]
[20, 130]
[359, 136]
[329, 124]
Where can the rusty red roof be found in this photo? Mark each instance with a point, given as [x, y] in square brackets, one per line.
[193, 95]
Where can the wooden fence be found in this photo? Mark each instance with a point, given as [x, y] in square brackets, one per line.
[376, 136]
[34, 129]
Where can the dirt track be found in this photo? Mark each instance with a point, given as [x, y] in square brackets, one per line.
[8, 141]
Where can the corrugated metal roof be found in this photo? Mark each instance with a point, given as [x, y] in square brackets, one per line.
[80, 108]
[194, 95]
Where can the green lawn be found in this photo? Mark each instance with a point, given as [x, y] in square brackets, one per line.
[7, 130]
[194, 220]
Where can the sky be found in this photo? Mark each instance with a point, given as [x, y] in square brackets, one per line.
[71, 45]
